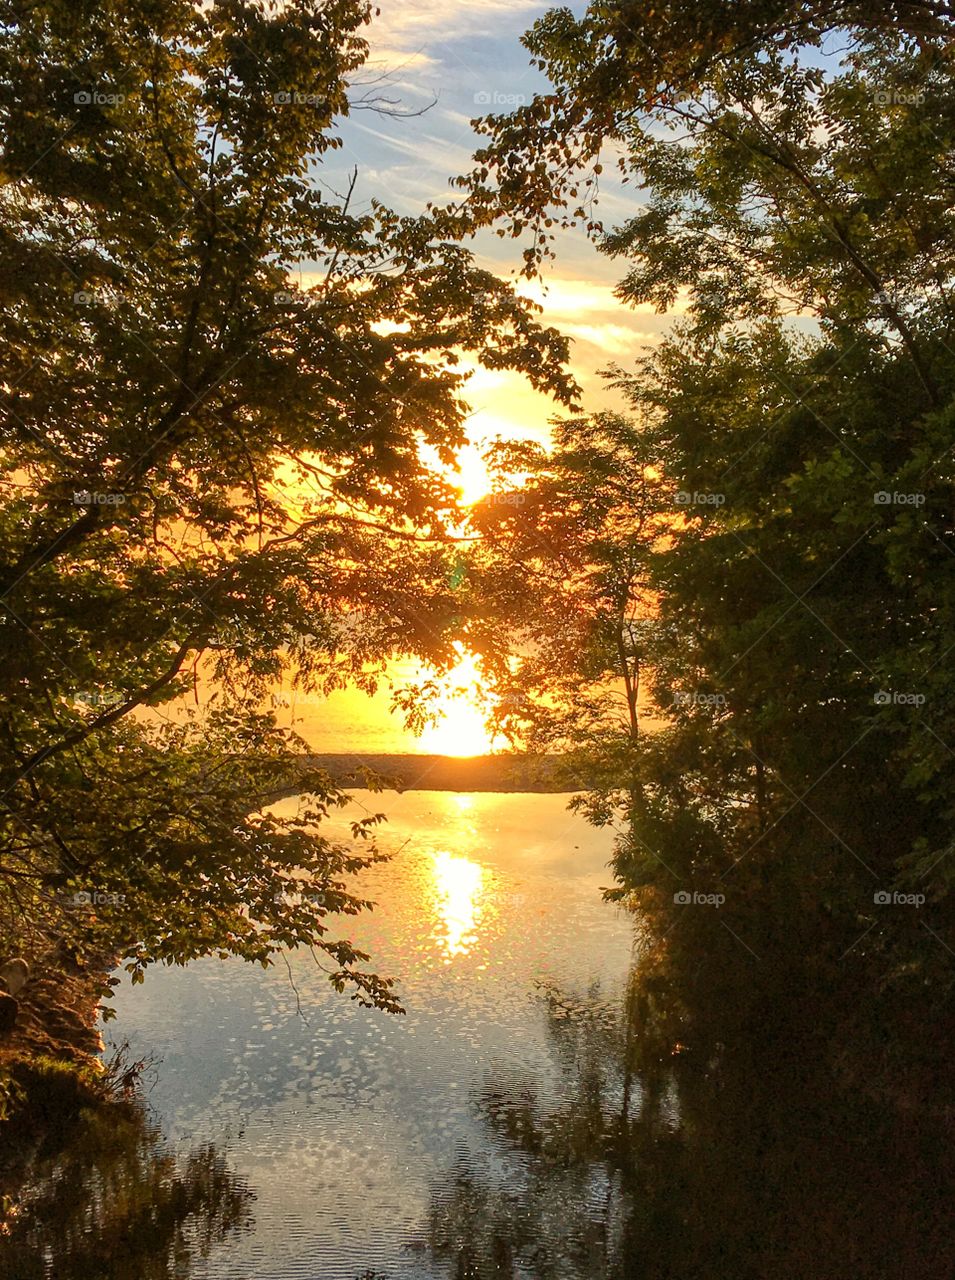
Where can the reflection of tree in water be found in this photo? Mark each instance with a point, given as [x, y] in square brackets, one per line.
[116, 1204]
[654, 1161]
[560, 1209]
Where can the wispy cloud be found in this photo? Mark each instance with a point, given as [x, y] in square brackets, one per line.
[404, 21]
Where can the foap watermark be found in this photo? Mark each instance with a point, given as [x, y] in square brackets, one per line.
[291, 298]
[686, 498]
[514, 702]
[485, 98]
[97, 98]
[898, 98]
[684, 898]
[93, 698]
[297, 98]
[98, 297]
[893, 698]
[513, 499]
[293, 699]
[886, 499]
[885, 898]
[88, 498]
[692, 698]
[282, 898]
[97, 898]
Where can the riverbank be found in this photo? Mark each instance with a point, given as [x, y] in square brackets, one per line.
[49, 1060]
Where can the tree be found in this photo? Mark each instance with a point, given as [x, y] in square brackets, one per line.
[561, 587]
[801, 210]
[208, 463]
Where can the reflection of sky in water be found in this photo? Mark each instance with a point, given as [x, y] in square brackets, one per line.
[346, 1123]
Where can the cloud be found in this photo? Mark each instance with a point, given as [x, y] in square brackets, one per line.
[402, 22]
[391, 60]
[572, 297]
[432, 152]
[612, 339]
[561, 295]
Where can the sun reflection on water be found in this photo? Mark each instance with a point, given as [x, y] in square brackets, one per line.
[460, 884]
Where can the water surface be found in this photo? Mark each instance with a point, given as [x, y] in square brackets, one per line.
[555, 1104]
[357, 1130]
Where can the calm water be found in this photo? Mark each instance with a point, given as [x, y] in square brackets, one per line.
[554, 1105]
[363, 1136]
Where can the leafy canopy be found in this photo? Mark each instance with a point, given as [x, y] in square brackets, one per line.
[217, 378]
[790, 170]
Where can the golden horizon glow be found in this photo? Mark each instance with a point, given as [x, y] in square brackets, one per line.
[459, 883]
[462, 708]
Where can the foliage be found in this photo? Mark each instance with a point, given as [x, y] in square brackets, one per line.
[210, 467]
[795, 199]
[561, 603]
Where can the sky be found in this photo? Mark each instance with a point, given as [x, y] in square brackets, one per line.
[461, 60]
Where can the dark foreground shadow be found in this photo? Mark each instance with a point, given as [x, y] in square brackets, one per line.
[113, 1202]
[649, 1157]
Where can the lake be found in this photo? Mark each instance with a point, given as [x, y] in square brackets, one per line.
[569, 1096]
[352, 1127]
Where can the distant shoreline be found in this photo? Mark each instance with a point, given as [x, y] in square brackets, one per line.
[496, 773]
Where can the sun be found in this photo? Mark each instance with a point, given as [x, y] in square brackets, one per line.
[471, 477]
[462, 707]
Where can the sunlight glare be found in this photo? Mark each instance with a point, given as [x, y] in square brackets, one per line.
[462, 706]
[471, 478]
[459, 883]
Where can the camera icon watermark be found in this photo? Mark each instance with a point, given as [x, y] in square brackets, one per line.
[684, 898]
[885, 898]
